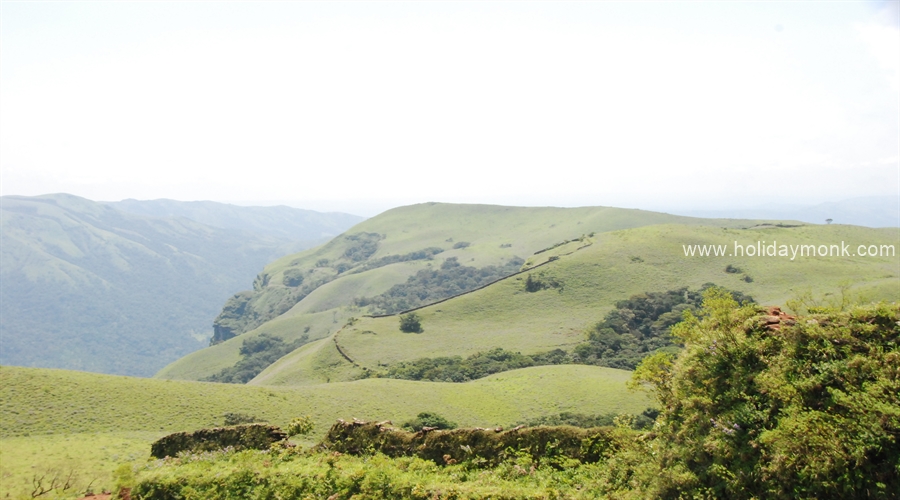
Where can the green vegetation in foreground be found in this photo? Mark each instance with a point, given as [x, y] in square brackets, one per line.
[43, 407]
[751, 408]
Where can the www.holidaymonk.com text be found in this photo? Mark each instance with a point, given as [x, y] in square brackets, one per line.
[775, 249]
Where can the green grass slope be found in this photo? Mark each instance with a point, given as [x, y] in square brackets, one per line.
[495, 235]
[43, 401]
[619, 264]
[66, 420]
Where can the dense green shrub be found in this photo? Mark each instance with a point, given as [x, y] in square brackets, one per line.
[300, 426]
[779, 407]
[478, 365]
[257, 353]
[363, 246]
[643, 421]
[248, 436]
[411, 323]
[292, 277]
[540, 281]
[429, 285]
[639, 326]
[430, 420]
[461, 244]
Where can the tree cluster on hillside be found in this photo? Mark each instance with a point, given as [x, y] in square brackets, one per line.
[479, 365]
[257, 354]
[429, 285]
[244, 311]
[643, 421]
[635, 329]
[640, 326]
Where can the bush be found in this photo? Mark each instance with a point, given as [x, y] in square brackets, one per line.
[300, 426]
[293, 277]
[461, 244]
[411, 323]
[257, 354]
[429, 285]
[772, 406]
[426, 419]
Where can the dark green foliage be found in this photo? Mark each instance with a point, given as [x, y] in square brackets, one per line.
[257, 354]
[479, 365]
[429, 285]
[639, 422]
[733, 269]
[292, 277]
[424, 254]
[411, 323]
[461, 244]
[427, 419]
[638, 327]
[572, 419]
[240, 418]
[484, 446]
[540, 281]
[747, 278]
[804, 407]
[250, 436]
[363, 246]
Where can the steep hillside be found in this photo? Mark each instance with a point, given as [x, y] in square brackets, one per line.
[323, 287]
[586, 284]
[88, 287]
[477, 235]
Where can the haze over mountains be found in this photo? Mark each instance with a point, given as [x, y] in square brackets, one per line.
[870, 211]
[98, 287]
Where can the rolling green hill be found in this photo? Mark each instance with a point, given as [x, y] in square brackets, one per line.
[630, 252]
[389, 249]
[619, 264]
[86, 286]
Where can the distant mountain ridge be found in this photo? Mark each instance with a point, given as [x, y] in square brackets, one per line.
[293, 224]
[88, 286]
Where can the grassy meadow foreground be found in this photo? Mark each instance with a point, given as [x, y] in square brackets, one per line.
[51, 419]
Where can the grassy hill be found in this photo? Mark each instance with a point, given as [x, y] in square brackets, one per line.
[385, 251]
[66, 419]
[618, 264]
[593, 272]
[86, 286]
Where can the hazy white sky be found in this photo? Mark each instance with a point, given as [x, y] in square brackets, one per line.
[341, 105]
